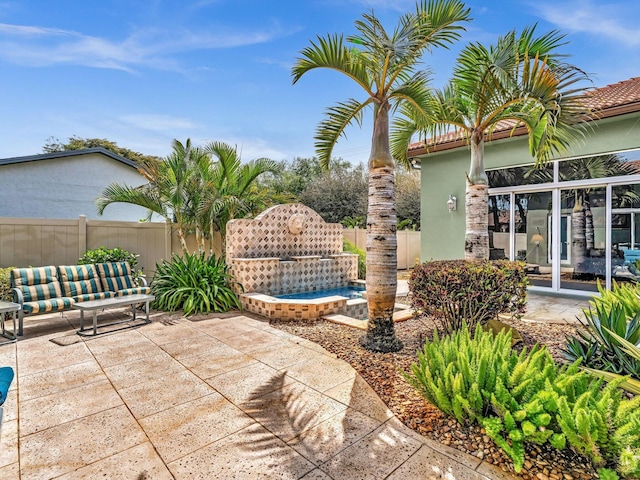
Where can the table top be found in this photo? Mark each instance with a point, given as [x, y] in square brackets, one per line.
[8, 307]
[113, 302]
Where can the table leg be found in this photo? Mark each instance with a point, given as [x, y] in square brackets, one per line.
[95, 322]
[82, 320]
[146, 310]
[10, 335]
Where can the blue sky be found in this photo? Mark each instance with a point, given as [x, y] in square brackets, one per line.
[143, 72]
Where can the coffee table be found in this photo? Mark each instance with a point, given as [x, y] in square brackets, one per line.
[103, 304]
[13, 308]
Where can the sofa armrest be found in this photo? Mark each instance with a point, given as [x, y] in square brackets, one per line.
[143, 282]
[17, 294]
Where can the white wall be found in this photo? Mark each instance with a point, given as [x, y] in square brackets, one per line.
[66, 188]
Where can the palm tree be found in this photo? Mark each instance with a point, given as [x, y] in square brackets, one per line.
[520, 82]
[166, 192]
[195, 192]
[385, 67]
[229, 188]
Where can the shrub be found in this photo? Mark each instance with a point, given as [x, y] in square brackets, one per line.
[626, 295]
[469, 378]
[5, 284]
[597, 348]
[195, 284]
[362, 258]
[526, 397]
[117, 254]
[460, 291]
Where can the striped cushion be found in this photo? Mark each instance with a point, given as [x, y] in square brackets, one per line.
[115, 276]
[86, 297]
[77, 280]
[134, 291]
[51, 305]
[36, 283]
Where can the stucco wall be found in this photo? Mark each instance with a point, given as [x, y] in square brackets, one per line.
[65, 188]
[443, 174]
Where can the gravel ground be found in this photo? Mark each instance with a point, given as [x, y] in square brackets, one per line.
[381, 371]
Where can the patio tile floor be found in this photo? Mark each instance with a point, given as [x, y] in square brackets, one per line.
[209, 398]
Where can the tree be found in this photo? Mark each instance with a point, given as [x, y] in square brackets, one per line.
[338, 193]
[166, 192]
[408, 198]
[194, 192]
[520, 82]
[385, 67]
[228, 188]
[78, 143]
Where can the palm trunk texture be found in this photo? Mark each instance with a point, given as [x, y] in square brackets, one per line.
[476, 241]
[382, 243]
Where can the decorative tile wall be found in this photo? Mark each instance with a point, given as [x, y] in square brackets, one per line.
[280, 309]
[270, 256]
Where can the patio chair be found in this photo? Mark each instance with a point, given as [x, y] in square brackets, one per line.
[6, 377]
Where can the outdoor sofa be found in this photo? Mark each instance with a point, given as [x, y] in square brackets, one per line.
[52, 289]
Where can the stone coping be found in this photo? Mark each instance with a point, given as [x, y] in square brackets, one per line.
[311, 301]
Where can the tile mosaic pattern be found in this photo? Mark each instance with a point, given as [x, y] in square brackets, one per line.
[268, 235]
[265, 256]
[280, 309]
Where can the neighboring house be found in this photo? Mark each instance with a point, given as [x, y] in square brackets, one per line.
[65, 185]
[591, 197]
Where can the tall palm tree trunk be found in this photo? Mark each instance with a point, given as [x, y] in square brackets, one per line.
[589, 230]
[578, 237]
[382, 243]
[476, 241]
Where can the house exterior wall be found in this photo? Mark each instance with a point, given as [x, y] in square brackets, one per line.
[65, 188]
[444, 173]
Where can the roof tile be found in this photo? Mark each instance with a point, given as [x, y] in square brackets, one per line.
[610, 97]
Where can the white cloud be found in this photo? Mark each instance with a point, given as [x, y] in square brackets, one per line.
[615, 21]
[42, 46]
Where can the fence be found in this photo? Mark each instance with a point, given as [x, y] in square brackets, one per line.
[35, 242]
[408, 245]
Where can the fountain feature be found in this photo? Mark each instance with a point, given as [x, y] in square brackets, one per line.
[289, 249]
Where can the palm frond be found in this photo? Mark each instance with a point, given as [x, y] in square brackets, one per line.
[332, 127]
[141, 196]
[331, 52]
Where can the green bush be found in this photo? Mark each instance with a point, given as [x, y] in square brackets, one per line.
[597, 348]
[625, 294]
[471, 292]
[470, 378]
[5, 284]
[362, 258]
[526, 397]
[194, 284]
[117, 254]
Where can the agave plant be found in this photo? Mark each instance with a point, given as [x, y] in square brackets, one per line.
[598, 345]
[625, 294]
[630, 384]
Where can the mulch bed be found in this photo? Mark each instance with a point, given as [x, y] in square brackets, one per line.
[381, 371]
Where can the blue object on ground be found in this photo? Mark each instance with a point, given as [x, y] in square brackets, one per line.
[6, 377]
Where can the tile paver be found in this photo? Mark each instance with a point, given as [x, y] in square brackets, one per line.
[140, 462]
[61, 407]
[213, 398]
[182, 429]
[72, 445]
